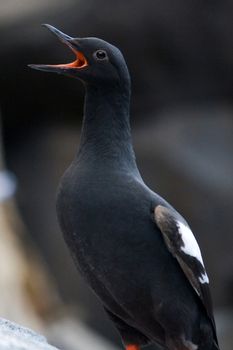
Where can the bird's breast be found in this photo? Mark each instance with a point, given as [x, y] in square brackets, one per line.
[104, 222]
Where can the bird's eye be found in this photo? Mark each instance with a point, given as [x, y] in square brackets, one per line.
[100, 54]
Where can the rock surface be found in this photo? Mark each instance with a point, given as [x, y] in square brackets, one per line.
[16, 337]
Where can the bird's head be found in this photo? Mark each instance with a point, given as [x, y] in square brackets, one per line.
[96, 61]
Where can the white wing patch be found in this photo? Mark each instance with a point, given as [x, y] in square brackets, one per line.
[204, 278]
[180, 240]
[191, 247]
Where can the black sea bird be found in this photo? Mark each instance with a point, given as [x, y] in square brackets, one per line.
[136, 252]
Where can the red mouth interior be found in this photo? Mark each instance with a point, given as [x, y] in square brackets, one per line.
[80, 61]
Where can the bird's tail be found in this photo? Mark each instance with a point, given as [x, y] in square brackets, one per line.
[215, 346]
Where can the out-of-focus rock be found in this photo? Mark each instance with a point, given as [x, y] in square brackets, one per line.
[16, 337]
[28, 295]
[224, 323]
[7, 185]
[71, 334]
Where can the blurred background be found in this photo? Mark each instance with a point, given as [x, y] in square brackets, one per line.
[180, 56]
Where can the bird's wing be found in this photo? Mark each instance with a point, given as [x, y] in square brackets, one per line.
[182, 244]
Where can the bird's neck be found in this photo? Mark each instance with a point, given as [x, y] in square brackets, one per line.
[106, 136]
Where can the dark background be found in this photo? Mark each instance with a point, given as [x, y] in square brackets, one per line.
[180, 56]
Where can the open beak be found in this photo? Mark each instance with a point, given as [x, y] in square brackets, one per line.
[79, 63]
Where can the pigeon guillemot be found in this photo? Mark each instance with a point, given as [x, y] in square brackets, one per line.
[134, 249]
